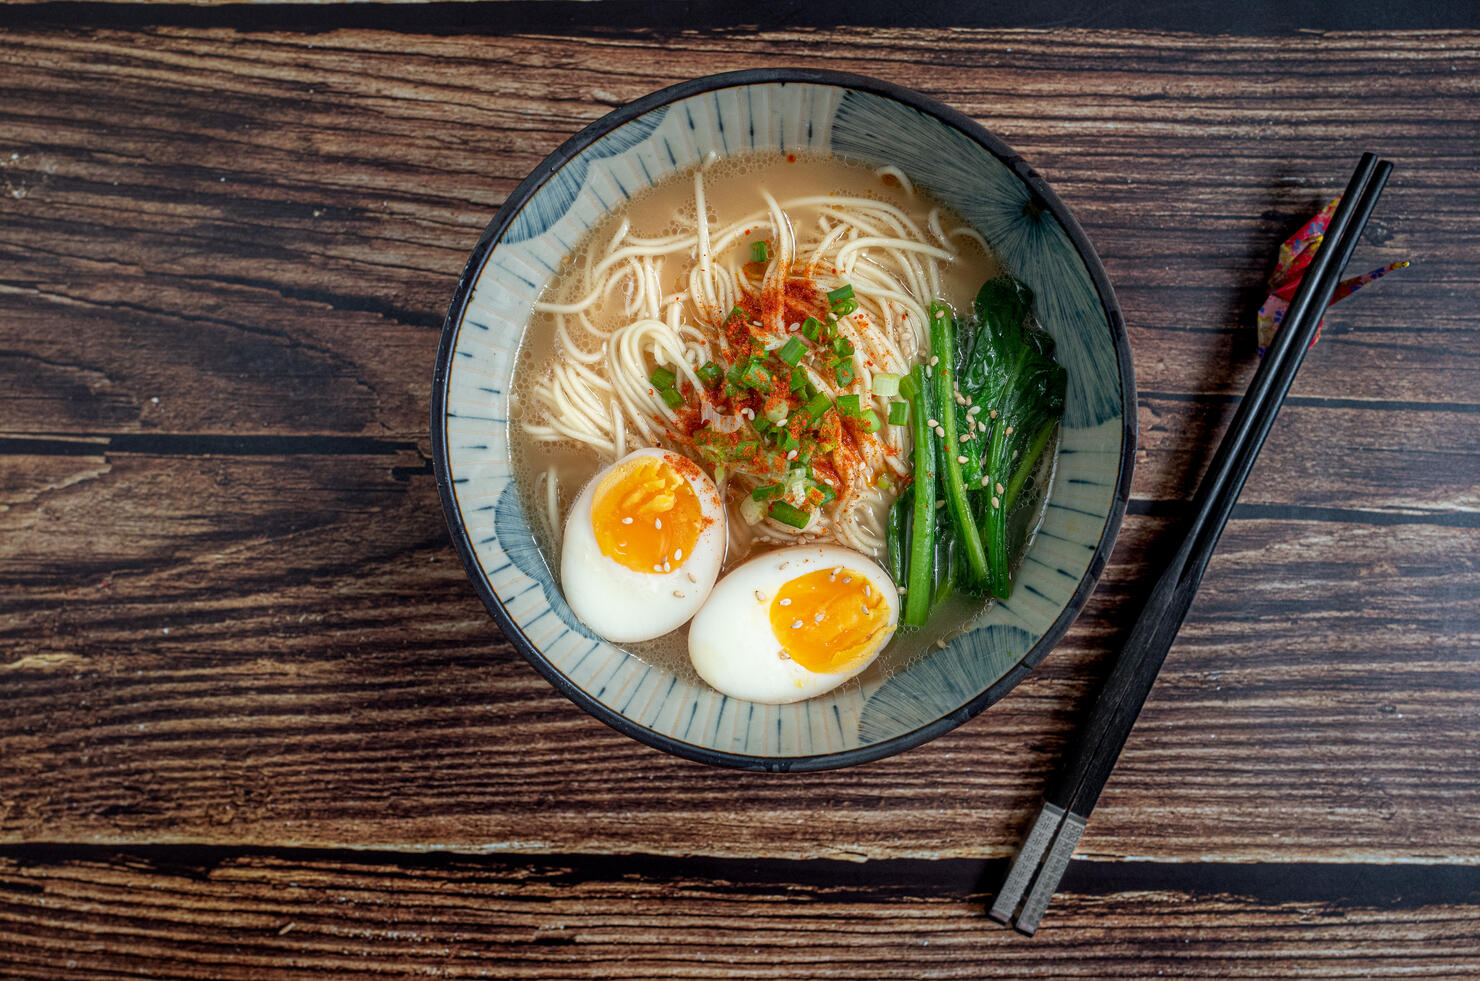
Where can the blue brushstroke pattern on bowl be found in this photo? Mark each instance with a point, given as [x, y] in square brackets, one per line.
[860, 119]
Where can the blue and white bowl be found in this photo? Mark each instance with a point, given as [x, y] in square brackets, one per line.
[861, 119]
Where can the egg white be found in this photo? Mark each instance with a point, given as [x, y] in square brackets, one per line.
[626, 606]
[731, 643]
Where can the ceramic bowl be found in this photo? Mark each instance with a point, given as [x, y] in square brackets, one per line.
[860, 119]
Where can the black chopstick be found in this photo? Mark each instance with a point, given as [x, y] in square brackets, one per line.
[1072, 794]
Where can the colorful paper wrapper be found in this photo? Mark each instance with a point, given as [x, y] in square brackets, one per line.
[1295, 256]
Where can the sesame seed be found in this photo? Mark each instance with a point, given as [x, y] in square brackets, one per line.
[658, 523]
[939, 505]
[626, 521]
[867, 590]
[902, 590]
[941, 643]
[666, 566]
[783, 565]
[932, 423]
[692, 579]
[994, 413]
[791, 454]
[986, 481]
[960, 459]
[677, 554]
[817, 617]
[795, 328]
[959, 399]
[847, 580]
[796, 625]
[974, 408]
[940, 431]
[965, 438]
[657, 568]
[786, 602]
[867, 612]
[759, 598]
[996, 501]
[934, 361]
[968, 402]
[783, 655]
[678, 593]
[999, 488]
[1007, 431]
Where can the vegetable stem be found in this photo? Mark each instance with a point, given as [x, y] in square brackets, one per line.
[922, 532]
[943, 347]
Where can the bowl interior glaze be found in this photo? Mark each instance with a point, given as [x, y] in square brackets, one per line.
[864, 120]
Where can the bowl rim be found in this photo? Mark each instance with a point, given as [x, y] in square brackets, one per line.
[562, 155]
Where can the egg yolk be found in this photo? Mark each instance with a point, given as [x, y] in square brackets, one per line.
[646, 516]
[826, 620]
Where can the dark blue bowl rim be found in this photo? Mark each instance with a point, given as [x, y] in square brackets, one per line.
[770, 76]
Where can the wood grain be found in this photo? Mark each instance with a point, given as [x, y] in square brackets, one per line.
[207, 913]
[262, 230]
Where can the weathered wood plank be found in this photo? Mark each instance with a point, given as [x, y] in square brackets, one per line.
[206, 913]
[283, 217]
[265, 649]
[289, 216]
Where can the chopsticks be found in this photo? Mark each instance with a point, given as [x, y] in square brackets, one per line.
[1071, 796]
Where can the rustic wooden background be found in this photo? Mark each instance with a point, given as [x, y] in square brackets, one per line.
[254, 723]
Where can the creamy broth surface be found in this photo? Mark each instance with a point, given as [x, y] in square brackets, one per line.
[550, 472]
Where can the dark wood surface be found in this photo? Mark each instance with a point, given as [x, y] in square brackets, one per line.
[254, 722]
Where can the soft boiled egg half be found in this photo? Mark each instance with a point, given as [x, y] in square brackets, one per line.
[643, 545]
[794, 623]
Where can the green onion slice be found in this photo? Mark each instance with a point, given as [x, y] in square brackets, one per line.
[818, 405]
[844, 292]
[662, 378]
[899, 413]
[759, 251]
[712, 374]
[886, 385]
[788, 515]
[791, 352]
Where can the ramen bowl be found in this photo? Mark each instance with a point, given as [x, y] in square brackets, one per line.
[855, 118]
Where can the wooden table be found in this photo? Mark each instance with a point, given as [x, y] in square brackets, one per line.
[254, 723]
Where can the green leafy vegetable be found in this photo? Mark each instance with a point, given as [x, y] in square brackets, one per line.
[1012, 375]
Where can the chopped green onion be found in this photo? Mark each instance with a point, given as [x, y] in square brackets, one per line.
[844, 292]
[818, 405]
[899, 413]
[870, 420]
[786, 440]
[662, 378]
[732, 391]
[788, 515]
[843, 373]
[736, 372]
[777, 412]
[812, 329]
[798, 380]
[842, 347]
[712, 374]
[884, 482]
[829, 329]
[886, 385]
[759, 251]
[736, 314]
[756, 377]
[760, 425]
[907, 387]
[850, 405]
[825, 494]
[671, 396]
[765, 493]
[844, 308]
[791, 352]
